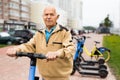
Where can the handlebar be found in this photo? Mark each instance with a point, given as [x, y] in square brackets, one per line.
[96, 42]
[30, 55]
[80, 38]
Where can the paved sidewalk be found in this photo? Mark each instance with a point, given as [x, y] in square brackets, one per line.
[11, 69]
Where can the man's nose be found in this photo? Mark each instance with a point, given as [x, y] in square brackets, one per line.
[49, 16]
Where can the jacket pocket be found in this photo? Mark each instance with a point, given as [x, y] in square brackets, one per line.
[57, 45]
[57, 42]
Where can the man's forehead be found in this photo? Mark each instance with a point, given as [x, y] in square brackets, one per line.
[50, 9]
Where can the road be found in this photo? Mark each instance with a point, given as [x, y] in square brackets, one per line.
[17, 69]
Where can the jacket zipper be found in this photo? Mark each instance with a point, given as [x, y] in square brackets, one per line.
[48, 40]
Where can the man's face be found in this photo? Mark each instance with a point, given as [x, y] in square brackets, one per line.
[50, 17]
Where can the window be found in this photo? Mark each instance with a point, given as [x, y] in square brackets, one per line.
[26, 9]
[16, 0]
[14, 13]
[14, 5]
[0, 3]
[25, 15]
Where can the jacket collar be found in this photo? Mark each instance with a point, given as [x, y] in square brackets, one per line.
[55, 30]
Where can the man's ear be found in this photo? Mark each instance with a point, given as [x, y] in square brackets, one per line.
[58, 16]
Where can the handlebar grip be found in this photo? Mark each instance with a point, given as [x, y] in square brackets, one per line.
[84, 37]
[20, 54]
[31, 55]
[80, 38]
[40, 56]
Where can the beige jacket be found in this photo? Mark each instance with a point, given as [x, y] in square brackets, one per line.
[61, 41]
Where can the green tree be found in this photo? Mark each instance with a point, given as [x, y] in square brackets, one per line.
[107, 22]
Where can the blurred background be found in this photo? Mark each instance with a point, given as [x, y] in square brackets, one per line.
[19, 20]
[80, 16]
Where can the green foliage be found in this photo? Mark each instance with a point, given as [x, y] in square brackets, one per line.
[107, 22]
[113, 43]
[89, 28]
[3, 45]
[1, 30]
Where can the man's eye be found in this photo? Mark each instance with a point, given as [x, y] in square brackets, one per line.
[46, 14]
[52, 14]
[49, 14]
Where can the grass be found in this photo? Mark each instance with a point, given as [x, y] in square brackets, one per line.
[3, 45]
[113, 43]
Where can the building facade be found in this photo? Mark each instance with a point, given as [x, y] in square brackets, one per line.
[14, 14]
[19, 14]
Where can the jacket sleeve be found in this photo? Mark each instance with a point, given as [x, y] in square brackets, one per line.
[68, 49]
[27, 47]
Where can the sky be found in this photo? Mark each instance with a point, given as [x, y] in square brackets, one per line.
[94, 11]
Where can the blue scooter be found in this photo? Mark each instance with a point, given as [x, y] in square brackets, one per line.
[33, 57]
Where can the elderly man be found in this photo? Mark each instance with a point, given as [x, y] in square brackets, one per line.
[55, 43]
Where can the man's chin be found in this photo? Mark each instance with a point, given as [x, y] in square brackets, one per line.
[50, 25]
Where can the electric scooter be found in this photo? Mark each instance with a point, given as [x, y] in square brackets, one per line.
[100, 71]
[80, 44]
[33, 57]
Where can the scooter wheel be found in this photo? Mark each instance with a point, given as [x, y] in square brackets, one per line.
[79, 60]
[103, 73]
[36, 78]
[73, 71]
[101, 61]
[102, 66]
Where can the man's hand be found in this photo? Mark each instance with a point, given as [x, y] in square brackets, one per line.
[11, 52]
[52, 55]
